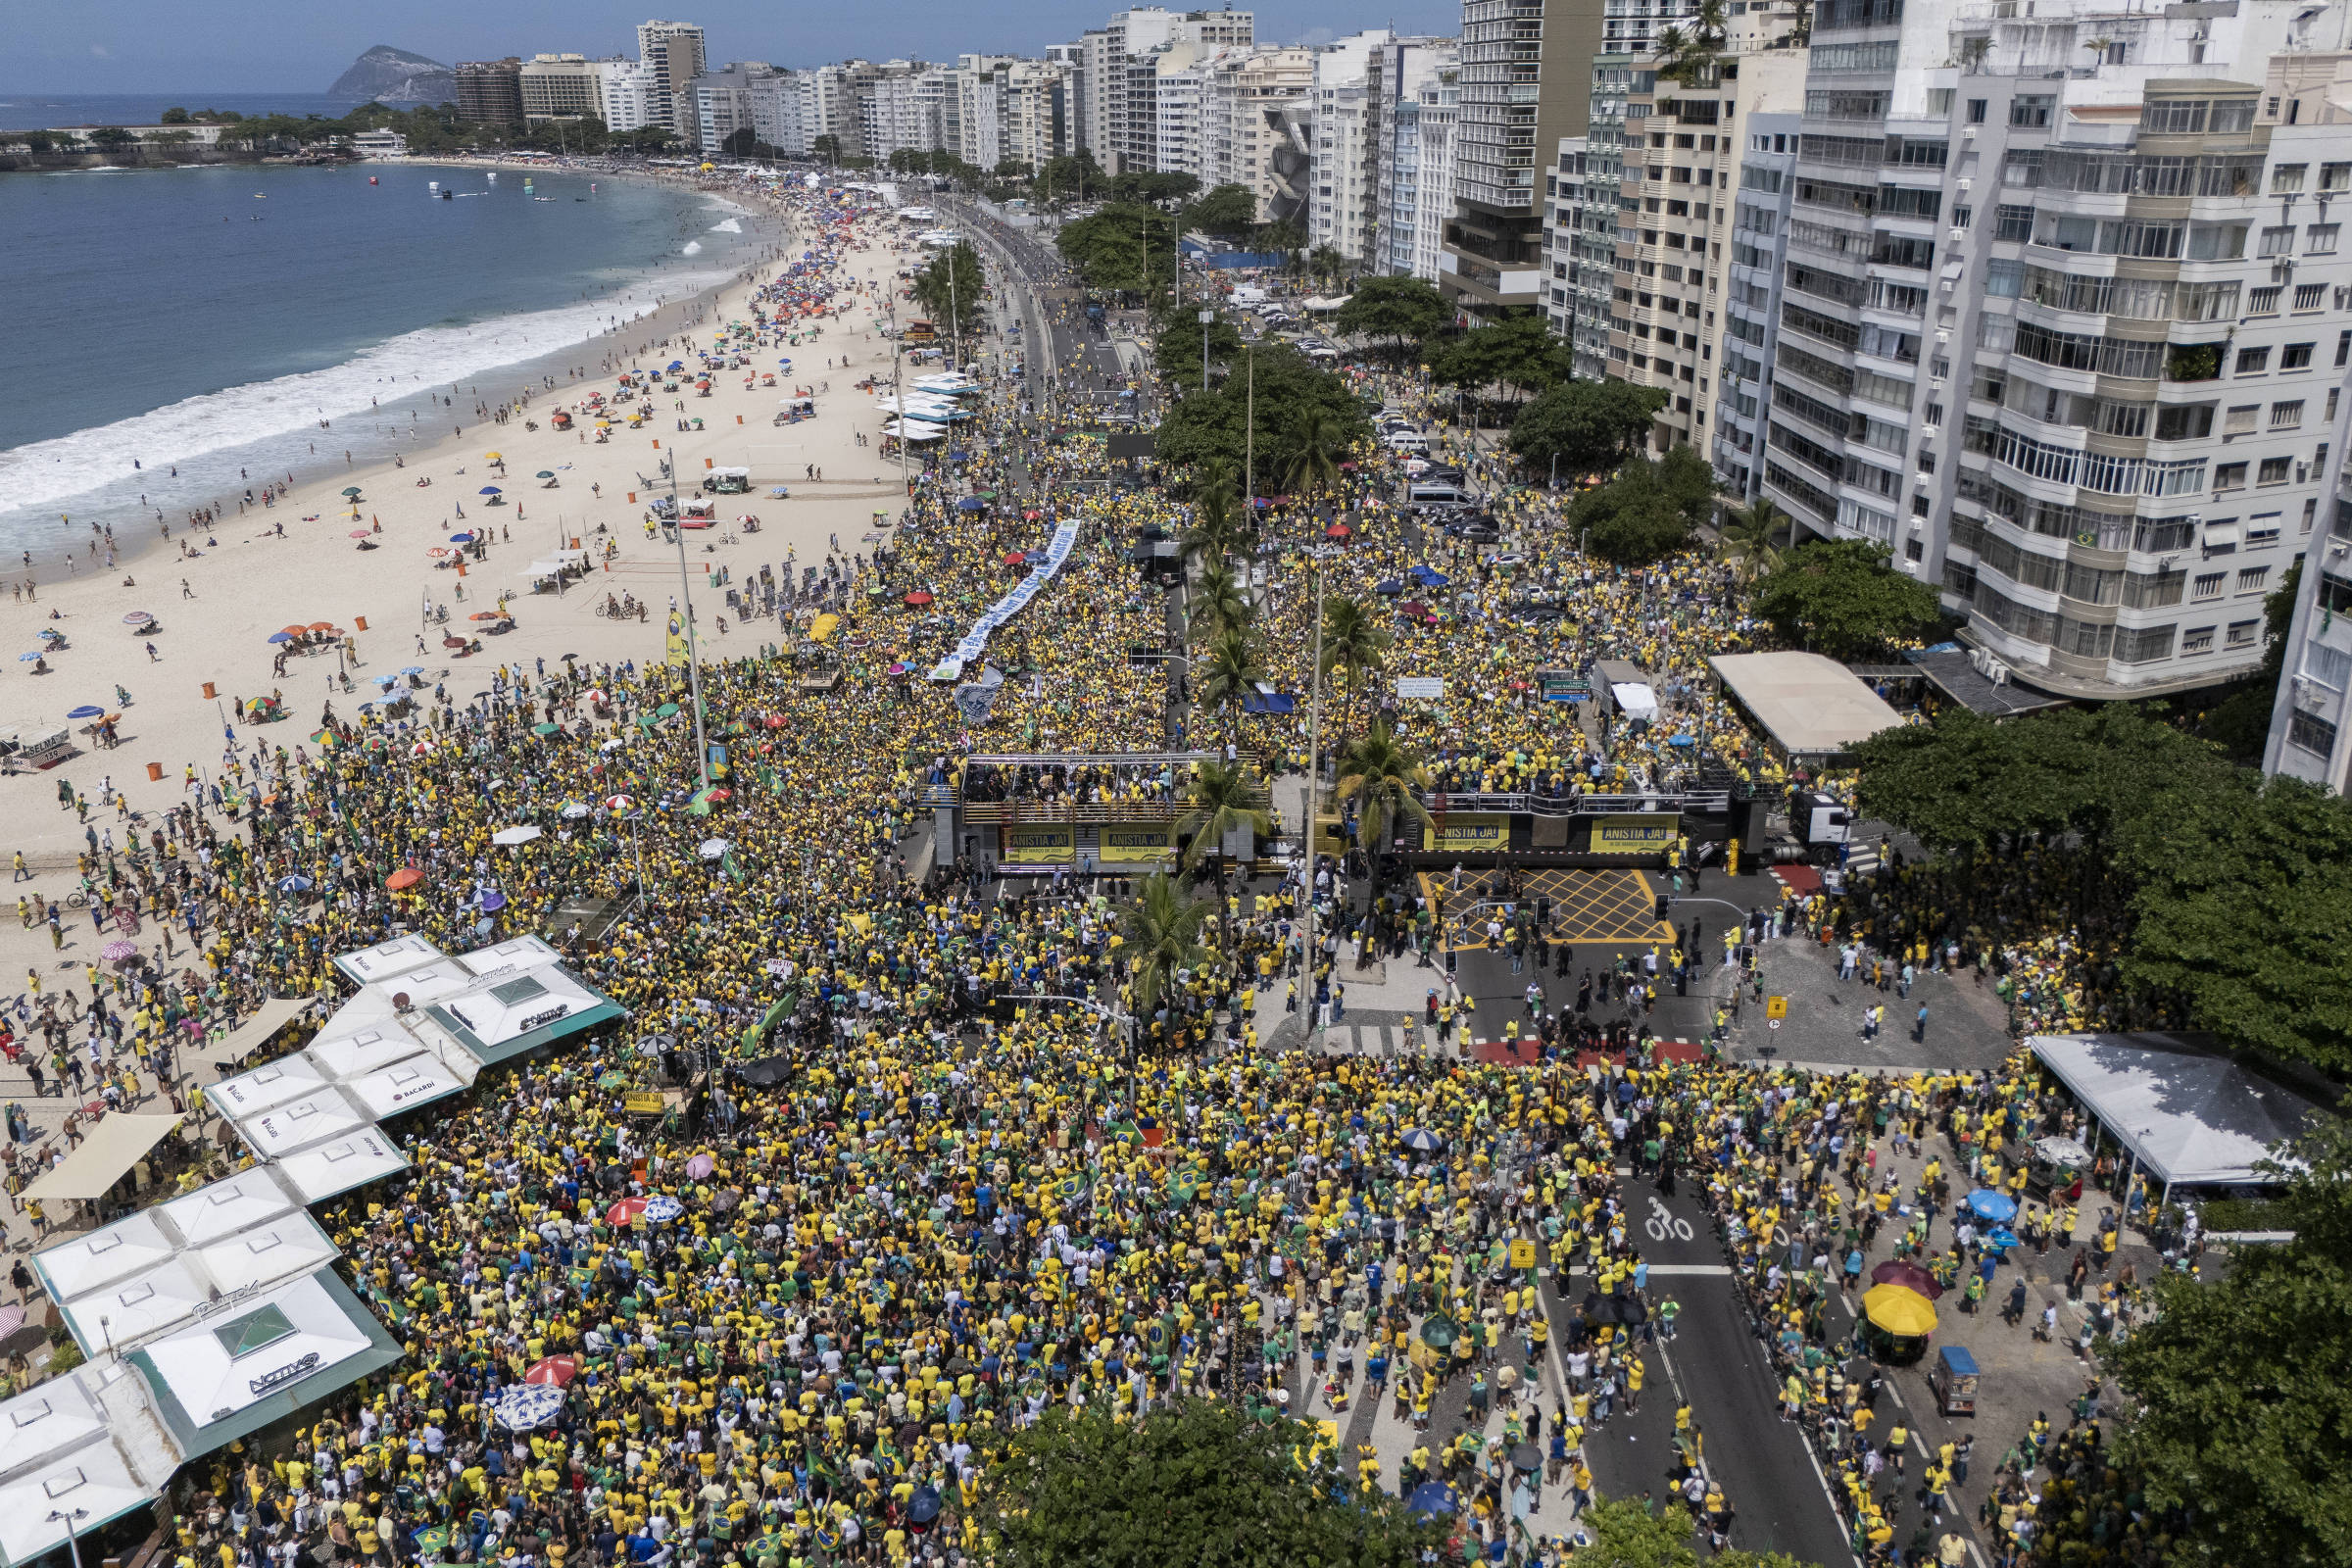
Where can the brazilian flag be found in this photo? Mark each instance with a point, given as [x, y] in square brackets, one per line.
[1184, 1181]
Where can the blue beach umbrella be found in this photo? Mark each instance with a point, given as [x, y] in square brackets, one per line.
[412, 669]
[1421, 1141]
[1987, 1203]
[281, 637]
[24, 659]
[489, 490]
[85, 711]
[661, 1206]
[460, 538]
[528, 1404]
[294, 884]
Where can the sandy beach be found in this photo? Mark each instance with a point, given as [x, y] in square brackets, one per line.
[219, 593]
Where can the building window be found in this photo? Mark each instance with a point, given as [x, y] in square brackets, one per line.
[2273, 471]
[2196, 640]
[2244, 633]
[2144, 645]
[1976, 111]
[2209, 585]
[2032, 108]
[2250, 579]
[2295, 356]
[2286, 178]
[2228, 477]
[2286, 416]
[2253, 361]
[2263, 301]
[2310, 296]
[2320, 239]
[2311, 732]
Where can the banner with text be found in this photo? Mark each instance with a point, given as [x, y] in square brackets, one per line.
[1066, 537]
[1137, 843]
[1039, 846]
[1468, 833]
[1647, 834]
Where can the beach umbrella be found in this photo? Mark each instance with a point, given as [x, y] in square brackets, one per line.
[625, 1211]
[85, 711]
[22, 659]
[919, 596]
[489, 490]
[492, 901]
[408, 876]
[439, 550]
[138, 618]
[281, 637]
[510, 836]
[1907, 1274]
[1527, 1456]
[662, 1208]
[1438, 1333]
[553, 1370]
[544, 473]
[617, 804]
[1985, 1203]
[1387, 585]
[492, 457]
[321, 625]
[528, 1404]
[970, 504]
[1421, 1141]
[351, 489]
[572, 811]
[294, 884]
[712, 849]
[358, 533]
[545, 728]
[459, 539]
[117, 951]
[412, 669]
[700, 1167]
[922, 1509]
[1902, 1313]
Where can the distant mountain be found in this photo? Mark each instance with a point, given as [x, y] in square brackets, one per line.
[397, 76]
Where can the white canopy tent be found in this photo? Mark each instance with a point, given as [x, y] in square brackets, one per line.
[2183, 1112]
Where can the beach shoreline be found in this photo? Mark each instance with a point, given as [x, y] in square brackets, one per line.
[252, 581]
[375, 433]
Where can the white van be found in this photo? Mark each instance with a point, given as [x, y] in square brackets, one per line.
[1439, 493]
[1249, 296]
[1412, 441]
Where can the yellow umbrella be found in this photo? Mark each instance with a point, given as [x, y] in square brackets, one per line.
[492, 457]
[1900, 1310]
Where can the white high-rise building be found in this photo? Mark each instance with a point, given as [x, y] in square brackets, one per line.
[631, 93]
[892, 112]
[1131, 78]
[1407, 79]
[1177, 101]
[1245, 99]
[673, 51]
[561, 87]
[1343, 199]
[2062, 313]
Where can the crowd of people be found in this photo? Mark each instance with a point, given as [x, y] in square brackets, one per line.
[946, 1206]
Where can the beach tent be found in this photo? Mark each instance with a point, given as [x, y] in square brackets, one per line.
[2184, 1113]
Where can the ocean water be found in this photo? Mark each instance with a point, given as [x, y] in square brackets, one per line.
[206, 320]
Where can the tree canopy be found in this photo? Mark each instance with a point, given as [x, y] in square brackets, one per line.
[1212, 427]
[1125, 246]
[2244, 1385]
[1591, 426]
[1176, 348]
[1402, 308]
[1518, 354]
[1225, 211]
[1840, 597]
[1199, 1482]
[1648, 512]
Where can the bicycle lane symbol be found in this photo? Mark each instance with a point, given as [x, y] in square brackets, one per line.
[1663, 1223]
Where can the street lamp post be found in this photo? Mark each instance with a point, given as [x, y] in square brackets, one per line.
[694, 656]
[1206, 316]
[68, 1515]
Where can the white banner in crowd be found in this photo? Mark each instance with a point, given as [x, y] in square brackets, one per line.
[1066, 537]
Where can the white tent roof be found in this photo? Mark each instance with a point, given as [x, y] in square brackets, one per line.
[223, 1208]
[297, 1124]
[510, 957]
[427, 982]
[213, 1372]
[337, 1166]
[387, 958]
[365, 1050]
[103, 1157]
[55, 1417]
[128, 1247]
[292, 1244]
[404, 1086]
[271, 1084]
[133, 1309]
[1635, 702]
[2188, 1113]
[93, 1482]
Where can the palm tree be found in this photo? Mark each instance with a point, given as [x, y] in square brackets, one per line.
[1383, 777]
[1353, 641]
[1214, 532]
[1216, 604]
[1163, 929]
[1225, 796]
[1225, 678]
[1317, 447]
[1750, 537]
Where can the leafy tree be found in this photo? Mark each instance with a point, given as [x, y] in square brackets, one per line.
[1518, 354]
[1163, 929]
[1403, 310]
[951, 288]
[2243, 904]
[1842, 598]
[827, 147]
[1123, 246]
[1063, 180]
[2240, 724]
[111, 136]
[1591, 426]
[1176, 348]
[1225, 211]
[1198, 1482]
[1225, 797]
[175, 116]
[1213, 426]
[1648, 512]
[1384, 779]
[2243, 1384]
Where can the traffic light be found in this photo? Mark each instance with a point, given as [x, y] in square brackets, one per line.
[1664, 902]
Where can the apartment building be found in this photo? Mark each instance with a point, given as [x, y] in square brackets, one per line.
[490, 91]
[1344, 191]
[1178, 92]
[1525, 82]
[562, 87]
[1250, 99]
[1752, 298]
[673, 52]
[1586, 230]
[743, 96]
[1564, 202]
[891, 111]
[834, 101]
[1414, 89]
[1682, 155]
[1037, 112]
[2055, 313]
[630, 94]
[1130, 77]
